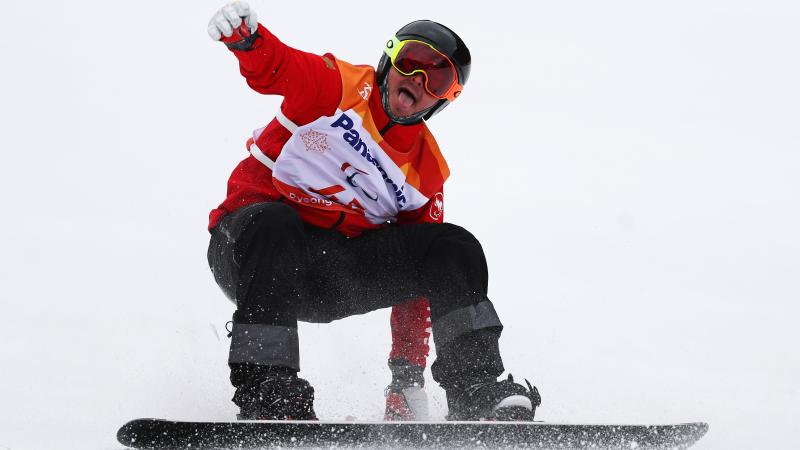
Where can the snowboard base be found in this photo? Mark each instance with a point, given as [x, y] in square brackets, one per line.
[164, 434]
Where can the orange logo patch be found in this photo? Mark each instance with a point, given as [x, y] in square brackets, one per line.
[437, 206]
[364, 93]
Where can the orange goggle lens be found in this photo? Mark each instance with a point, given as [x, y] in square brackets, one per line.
[441, 79]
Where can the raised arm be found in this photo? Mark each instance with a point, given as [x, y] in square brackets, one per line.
[309, 83]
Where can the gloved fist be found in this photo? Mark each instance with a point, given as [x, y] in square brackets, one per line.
[233, 24]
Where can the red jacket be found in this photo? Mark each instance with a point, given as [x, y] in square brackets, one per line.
[312, 87]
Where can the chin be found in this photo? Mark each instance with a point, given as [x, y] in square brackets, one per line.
[400, 114]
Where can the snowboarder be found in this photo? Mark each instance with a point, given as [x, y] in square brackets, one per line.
[338, 210]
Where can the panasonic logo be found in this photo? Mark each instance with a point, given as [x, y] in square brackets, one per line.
[353, 138]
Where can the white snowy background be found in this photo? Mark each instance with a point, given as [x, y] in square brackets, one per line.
[631, 167]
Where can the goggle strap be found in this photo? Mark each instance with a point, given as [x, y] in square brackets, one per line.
[393, 46]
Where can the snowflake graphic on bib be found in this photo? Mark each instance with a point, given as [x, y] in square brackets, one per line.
[315, 141]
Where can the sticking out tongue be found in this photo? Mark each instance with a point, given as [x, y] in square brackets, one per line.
[405, 98]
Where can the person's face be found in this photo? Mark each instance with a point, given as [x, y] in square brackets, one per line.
[407, 95]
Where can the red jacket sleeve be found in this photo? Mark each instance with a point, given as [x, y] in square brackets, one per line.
[311, 87]
[310, 84]
[411, 322]
[431, 212]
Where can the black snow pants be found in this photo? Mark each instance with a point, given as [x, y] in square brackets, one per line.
[278, 270]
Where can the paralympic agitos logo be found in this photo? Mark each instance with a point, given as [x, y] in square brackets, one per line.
[353, 138]
[351, 173]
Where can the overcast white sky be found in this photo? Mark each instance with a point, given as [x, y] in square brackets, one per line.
[631, 168]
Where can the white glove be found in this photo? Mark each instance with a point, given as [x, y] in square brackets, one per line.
[229, 18]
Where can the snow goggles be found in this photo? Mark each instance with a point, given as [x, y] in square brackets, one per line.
[411, 56]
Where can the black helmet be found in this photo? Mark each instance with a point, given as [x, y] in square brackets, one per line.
[441, 38]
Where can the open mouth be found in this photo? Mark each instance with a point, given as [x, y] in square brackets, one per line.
[406, 97]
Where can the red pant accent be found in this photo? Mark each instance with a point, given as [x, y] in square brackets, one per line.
[411, 324]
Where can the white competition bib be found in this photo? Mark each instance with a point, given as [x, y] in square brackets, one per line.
[335, 160]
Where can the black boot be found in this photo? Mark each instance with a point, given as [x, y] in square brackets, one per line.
[278, 396]
[493, 400]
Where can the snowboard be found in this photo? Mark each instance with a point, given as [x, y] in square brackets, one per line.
[166, 434]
